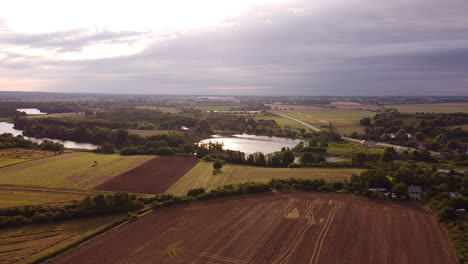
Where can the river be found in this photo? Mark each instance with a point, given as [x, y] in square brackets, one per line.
[8, 128]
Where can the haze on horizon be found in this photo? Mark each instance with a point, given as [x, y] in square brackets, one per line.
[242, 47]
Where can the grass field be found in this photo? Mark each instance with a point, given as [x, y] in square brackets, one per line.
[28, 243]
[14, 196]
[344, 120]
[214, 107]
[14, 156]
[170, 110]
[281, 121]
[431, 108]
[71, 170]
[202, 175]
[348, 148]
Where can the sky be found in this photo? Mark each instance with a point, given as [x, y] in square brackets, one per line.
[242, 47]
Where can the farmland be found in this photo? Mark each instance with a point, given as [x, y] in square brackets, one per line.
[152, 177]
[16, 196]
[276, 228]
[431, 108]
[71, 170]
[28, 243]
[14, 156]
[202, 175]
[344, 120]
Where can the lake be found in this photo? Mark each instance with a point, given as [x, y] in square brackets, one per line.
[8, 128]
[252, 143]
[31, 111]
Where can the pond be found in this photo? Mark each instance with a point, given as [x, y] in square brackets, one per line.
[8, 128]
[31, 111]
[252, 143]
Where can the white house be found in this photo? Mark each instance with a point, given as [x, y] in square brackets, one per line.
[414, 192]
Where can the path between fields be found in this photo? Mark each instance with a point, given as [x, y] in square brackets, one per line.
[313, 128]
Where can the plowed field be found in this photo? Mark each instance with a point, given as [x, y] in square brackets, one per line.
[275, 228]
[152, 177]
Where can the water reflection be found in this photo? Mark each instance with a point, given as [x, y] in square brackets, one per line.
[8, 128]
[252, 143]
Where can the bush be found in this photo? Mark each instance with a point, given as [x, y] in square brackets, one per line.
[446, 214]
[165, 151]
[217, 165]
[195, 192]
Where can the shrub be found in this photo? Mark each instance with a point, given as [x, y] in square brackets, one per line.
[195, 192]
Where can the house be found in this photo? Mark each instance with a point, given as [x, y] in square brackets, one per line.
[286, 128]
[369, 143]
[454, 194]
[422, 145]
[184, 128]
[382, 192]
[414, 192]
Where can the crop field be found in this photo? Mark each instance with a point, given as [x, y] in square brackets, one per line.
[28, 243]
[17, 196]
[202, 175]
[170, 110]
[281, 121]
[71, 170]
[432, 108]
[152, 177]
[14, 156]
[275, 228]
[344, 120]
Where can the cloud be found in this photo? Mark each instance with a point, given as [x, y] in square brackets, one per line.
[298, 48]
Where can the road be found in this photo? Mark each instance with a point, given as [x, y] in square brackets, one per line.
[311, 127]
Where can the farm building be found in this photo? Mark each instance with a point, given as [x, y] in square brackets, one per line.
[369, 143]
[414, 192]
[422, 145]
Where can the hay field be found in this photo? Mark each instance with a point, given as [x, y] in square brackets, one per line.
[202, 175]
[71, 170]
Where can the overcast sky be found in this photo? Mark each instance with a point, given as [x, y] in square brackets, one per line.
[304, 47]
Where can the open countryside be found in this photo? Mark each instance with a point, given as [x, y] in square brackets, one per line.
[202, 176]
[234, 132]
[276, 228]
[70, 170]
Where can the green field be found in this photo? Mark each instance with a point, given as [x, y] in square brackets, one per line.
[71, 170]
[202, 175]
[10, 161]
[28, 243]
[282, 121]
[431, 108]
[215, 107]
[349, 148]
[12, 196]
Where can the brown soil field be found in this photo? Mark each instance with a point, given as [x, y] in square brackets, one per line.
[152, 177]
[275, 228]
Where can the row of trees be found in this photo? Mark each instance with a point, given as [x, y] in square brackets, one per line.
[89, 206]
[8, 141]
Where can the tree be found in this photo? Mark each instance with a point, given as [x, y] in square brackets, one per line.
[306, 157]
[217, 165]
[366, 121]
[400, 189]
[287, 158]
[452, 144]
[107, 148]
[419, 136]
